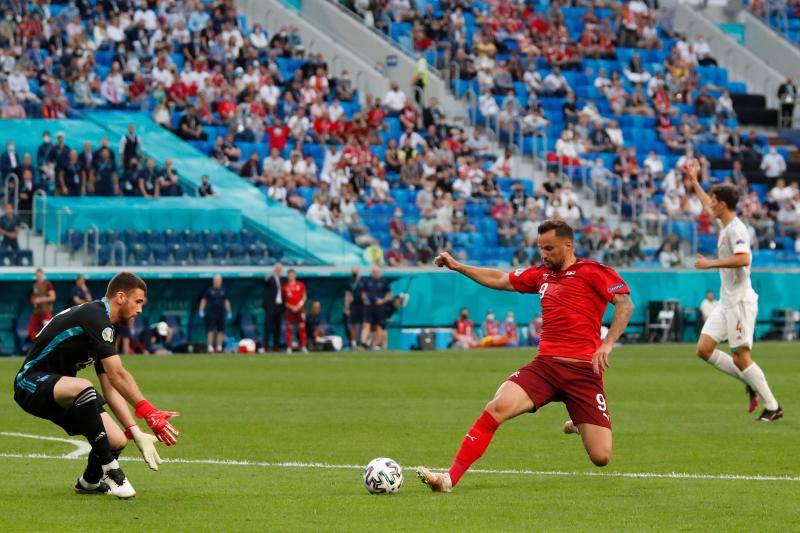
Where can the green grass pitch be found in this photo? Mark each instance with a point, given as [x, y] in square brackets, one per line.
[671, 413]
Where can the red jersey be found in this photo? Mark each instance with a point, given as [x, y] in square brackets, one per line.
[278, 135]
[490, 327]
[511, 331]
[464, 326]
[293, 293]
[573, 304]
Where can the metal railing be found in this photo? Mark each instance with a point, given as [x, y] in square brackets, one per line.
[113, 250]
[9, 179]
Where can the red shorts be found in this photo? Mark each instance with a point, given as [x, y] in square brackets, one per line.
[551, 379]
[295, 318]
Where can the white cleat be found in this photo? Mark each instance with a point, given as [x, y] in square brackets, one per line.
[288, 350]
[304, 349]
[569, 427]
[118, 484]
[436, 482]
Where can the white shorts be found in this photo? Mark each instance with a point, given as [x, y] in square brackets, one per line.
[736, 324]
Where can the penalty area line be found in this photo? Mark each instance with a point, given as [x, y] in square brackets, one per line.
[326, 466]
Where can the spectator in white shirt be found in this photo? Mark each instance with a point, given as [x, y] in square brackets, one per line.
[614, 133]
[298, 125]
[258, 39]
[319, 213]
[780, 192]
[653, 165]
[277, 191]
[488, 105]
[269, 93]
[462, 186]
[707, 305]
[773, 164]
[380, 190]
[416, 139]
[555, 84]
[672, 205]
[335, 110]
[394, 100]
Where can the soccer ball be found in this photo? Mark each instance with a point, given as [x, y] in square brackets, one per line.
[383, 476]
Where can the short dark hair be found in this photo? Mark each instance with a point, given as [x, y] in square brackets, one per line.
[726, 193]
[561, 228]
[125, 282]
[291, 271]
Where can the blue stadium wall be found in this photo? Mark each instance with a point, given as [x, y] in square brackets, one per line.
[435, 297]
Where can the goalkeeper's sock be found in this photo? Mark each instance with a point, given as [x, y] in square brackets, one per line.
[85, 410]
[724, 363]
[94, 469]
[474, 444]
[754, 376]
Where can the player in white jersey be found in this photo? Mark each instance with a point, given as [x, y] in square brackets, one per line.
[734, 317]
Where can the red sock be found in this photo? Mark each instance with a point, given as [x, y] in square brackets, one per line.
[475, 443]
[289, 334]
[301, 332]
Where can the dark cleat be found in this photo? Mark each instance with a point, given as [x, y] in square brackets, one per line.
[770, 416]
[82, 487]
[754, 399]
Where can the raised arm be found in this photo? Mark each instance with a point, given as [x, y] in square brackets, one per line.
[488, 277]
[698, 190]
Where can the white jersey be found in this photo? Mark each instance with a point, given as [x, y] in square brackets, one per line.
[736, 288]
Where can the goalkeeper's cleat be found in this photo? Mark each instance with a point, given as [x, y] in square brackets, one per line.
[753, 397]
[436, 482]
[569, 427]
[119, 485]
[84, 487]
[770, 416]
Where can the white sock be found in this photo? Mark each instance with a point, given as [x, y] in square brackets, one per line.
[754, 376]
[110, 466]
[88, 486]
[724, 362]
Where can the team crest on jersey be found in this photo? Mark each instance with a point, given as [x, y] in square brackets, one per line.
[569, 273]
[108, 335]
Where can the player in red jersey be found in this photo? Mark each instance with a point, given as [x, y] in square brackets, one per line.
[294, 298]
[571, 359]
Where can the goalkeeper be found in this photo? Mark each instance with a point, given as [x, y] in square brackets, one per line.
[47, 387]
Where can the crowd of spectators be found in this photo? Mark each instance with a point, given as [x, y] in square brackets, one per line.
[340, 158]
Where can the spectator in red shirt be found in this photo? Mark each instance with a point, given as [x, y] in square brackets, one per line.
[278, 134]
[395, 256]
[464, 331]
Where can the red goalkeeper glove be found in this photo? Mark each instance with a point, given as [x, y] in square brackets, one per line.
[158, 422]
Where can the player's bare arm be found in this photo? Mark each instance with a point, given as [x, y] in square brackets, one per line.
[124, 383]
[488, 277]
[704, 198]
[623, 309]
[145, 442]
[122, 380]
[739, 260]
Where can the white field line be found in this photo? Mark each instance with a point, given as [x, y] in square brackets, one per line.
[81, 447]
[326, 466]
